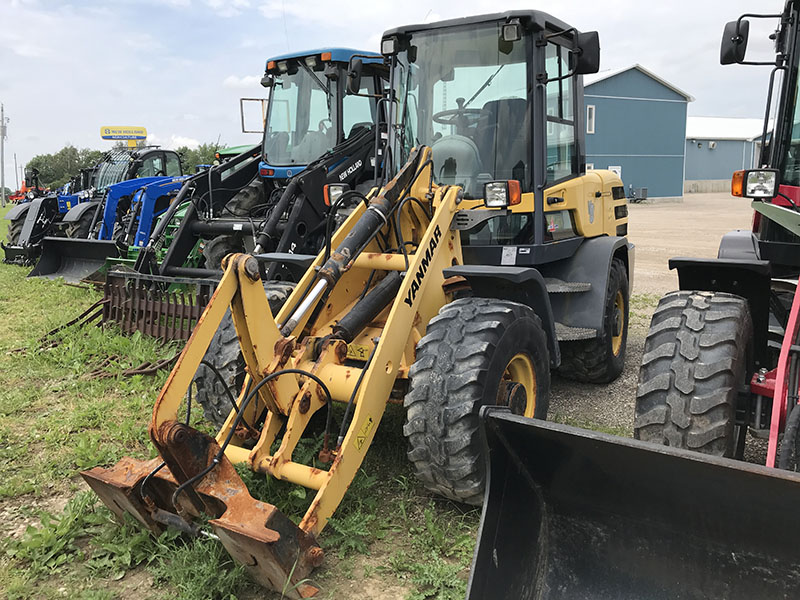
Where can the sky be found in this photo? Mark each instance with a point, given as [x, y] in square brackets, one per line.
[179, 67]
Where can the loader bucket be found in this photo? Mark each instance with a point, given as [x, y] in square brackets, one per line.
[276, 552]
[576, 514]
[72, 259]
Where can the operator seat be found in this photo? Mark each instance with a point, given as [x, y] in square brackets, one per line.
[500, 137]
[456, 161]
[313, 144]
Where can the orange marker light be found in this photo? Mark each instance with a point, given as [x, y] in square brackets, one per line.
[325, 56]
[737, 184]
[270, 65]
[514, 192]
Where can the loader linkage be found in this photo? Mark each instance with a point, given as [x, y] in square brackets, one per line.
[290, 377]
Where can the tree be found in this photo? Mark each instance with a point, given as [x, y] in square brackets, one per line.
[56, 169]
[202, 155]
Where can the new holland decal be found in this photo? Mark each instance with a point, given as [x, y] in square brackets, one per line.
[423, 267]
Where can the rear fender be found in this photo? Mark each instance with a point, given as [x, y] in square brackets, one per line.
[750, 279]
[590, 264]
[518, 284]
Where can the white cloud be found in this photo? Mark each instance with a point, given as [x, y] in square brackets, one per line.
[248, 81]
[228, 8]
[172, 142]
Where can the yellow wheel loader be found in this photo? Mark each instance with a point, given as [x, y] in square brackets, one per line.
[489, 259]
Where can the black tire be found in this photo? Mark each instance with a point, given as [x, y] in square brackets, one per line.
[218, 248]
[120, 234]
[246, 201]
[79, 229]
[696, 359]
[225, 354]
[458, 369]
[15, 230]
[601, 360]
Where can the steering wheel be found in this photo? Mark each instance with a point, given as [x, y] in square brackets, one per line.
[462, 118]
[325, 126]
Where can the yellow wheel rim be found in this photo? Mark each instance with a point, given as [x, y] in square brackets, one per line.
[520, 370]
[618, 323]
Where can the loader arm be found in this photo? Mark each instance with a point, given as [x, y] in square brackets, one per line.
[297, 364]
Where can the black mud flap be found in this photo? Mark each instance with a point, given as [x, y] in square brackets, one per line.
[72, 259]
[575, 514]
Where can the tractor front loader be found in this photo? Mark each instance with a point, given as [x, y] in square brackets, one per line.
[490, 258]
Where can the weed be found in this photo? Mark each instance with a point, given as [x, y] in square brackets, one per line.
[47, 548]
[199, 568]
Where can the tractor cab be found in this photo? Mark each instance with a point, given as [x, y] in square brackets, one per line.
[122, 165]
[501, 110]
[309, 111]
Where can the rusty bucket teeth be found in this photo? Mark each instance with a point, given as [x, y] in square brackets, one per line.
[275, 551]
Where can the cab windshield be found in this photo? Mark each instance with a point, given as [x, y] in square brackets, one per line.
[112, 170]
[469, 105]
[299, 126]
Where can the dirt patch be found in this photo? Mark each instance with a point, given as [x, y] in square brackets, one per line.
[16, 514]
[690, 228]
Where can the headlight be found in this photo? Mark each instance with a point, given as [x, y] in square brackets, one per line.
[333, 191]
[499, 194]
[30, 195]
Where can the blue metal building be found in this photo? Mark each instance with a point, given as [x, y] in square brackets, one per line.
[718, 146]
[636, 123]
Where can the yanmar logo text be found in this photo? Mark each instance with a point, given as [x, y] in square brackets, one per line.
[350, 170]
[423, 267]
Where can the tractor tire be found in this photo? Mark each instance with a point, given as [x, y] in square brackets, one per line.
[218, 248]
[469, 348]
[15, 230]
[225, 354]
[80, 229]
[120, 235]
[602, 359]
[246, 200]
[696, 360]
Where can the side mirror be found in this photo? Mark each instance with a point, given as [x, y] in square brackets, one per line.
[759, 184]
[734, 42]
[267, 80]
[588, 53]
[354, 75]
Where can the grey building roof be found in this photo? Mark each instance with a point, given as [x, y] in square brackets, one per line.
[603, 75]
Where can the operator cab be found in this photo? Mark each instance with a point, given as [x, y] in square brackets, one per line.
[122, 165]
[501, 109]
[309, 112]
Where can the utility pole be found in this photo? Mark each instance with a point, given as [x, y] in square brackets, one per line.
[3, 131]
[16, 171]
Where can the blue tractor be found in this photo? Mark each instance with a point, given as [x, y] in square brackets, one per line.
[74, 213]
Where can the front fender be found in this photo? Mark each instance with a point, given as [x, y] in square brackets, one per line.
[18, 212]
[518, 284]
[76, 212]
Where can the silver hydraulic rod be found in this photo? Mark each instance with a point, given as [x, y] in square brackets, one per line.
[304, 307]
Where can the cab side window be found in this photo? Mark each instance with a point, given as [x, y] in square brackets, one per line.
[152, 166]
[561, 152]
[358, 110]
[173, 165]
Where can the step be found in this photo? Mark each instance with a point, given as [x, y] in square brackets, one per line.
[564, 333]
[558, 286]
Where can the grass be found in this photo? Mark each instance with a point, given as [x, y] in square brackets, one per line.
[55, 421]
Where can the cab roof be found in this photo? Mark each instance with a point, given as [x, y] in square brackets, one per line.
[535, 19]
[342, 55]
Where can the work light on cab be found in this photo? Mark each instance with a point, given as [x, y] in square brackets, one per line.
[499, 194]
